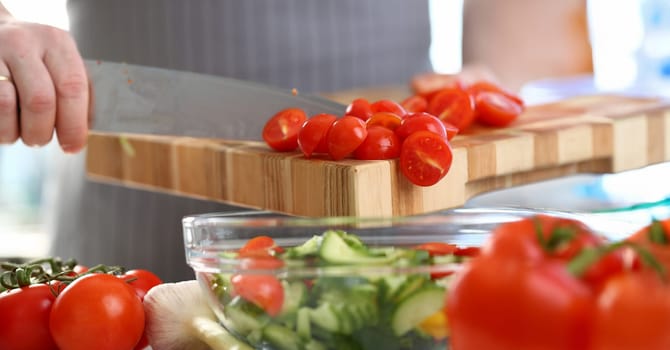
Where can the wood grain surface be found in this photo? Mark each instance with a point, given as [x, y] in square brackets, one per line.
[590, 134]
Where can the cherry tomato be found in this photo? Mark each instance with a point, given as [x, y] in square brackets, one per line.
[97, 311]
[496, 109]
[487, 86]
[281, 131]
[452, 131]
[454, 106]
[425, 158]
[260, 246]
[438, 248]
[141, 280]
[265, 291]
[415, 104]
[428, 84]
[312, 135]
[381, 143]
[24, 318]
[387, 106]
[386, 119]
[467, 251]
[359, 108]
[633, 312]
[345, 135]
[497, 303]
[420, 122]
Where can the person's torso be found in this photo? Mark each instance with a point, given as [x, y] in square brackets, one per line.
[307, 44]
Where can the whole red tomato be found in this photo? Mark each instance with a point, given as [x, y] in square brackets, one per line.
[141, 281]
[24, 318]
[97, 311]
[655, 237]
[633, 312]
[501, 303]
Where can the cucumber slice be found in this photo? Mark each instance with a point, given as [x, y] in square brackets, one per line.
[295, 294]
[416, 308]
[302, 324]
[325, 317]
[243, 317]
[411, 285]
[281, 337]
[335, 250]
[310, 247]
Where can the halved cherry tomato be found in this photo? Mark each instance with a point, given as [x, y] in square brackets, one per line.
[414, 104]
[345, 135]
[428, 84]
[312, 136]
[387, 106]
[420, 122]
[425, 158]
[487, 86]
[258, 246]
[281, 131]
[381, 143]
[264, 290]
[438, 248]
[386, 119]
[359, 108]
[452, 131]
[496, 109]
[454, 106]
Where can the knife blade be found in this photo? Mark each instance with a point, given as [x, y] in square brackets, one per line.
[141, 99]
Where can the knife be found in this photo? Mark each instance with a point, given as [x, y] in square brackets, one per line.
[140, 99]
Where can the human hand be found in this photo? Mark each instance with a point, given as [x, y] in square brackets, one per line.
[45, 87]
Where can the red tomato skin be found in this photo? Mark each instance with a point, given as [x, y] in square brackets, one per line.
[660, 251]
[312, 135]
[142, 281]
[388, 106]
[452, 131]
[24, 318]
[425, 158]
[487, 86]
[415, 104]
[359, 108]
[97, 311]
[633, 312]
[506, 304]
[438, 248]
[263, 290]
[345, 135]
[420, 122]
[496, 109]
[381, 143]
[386, 119]
[281, 131]
[453, 106]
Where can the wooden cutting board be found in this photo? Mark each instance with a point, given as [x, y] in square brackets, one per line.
[590, 134]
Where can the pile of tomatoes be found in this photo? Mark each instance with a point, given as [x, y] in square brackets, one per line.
[50, 305]
[417, 130]
[551, 283]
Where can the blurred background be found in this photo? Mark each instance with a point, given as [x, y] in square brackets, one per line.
[544, 49]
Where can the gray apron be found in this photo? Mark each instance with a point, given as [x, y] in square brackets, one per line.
[312, 45]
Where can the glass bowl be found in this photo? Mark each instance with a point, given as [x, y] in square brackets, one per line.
[362, 289]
